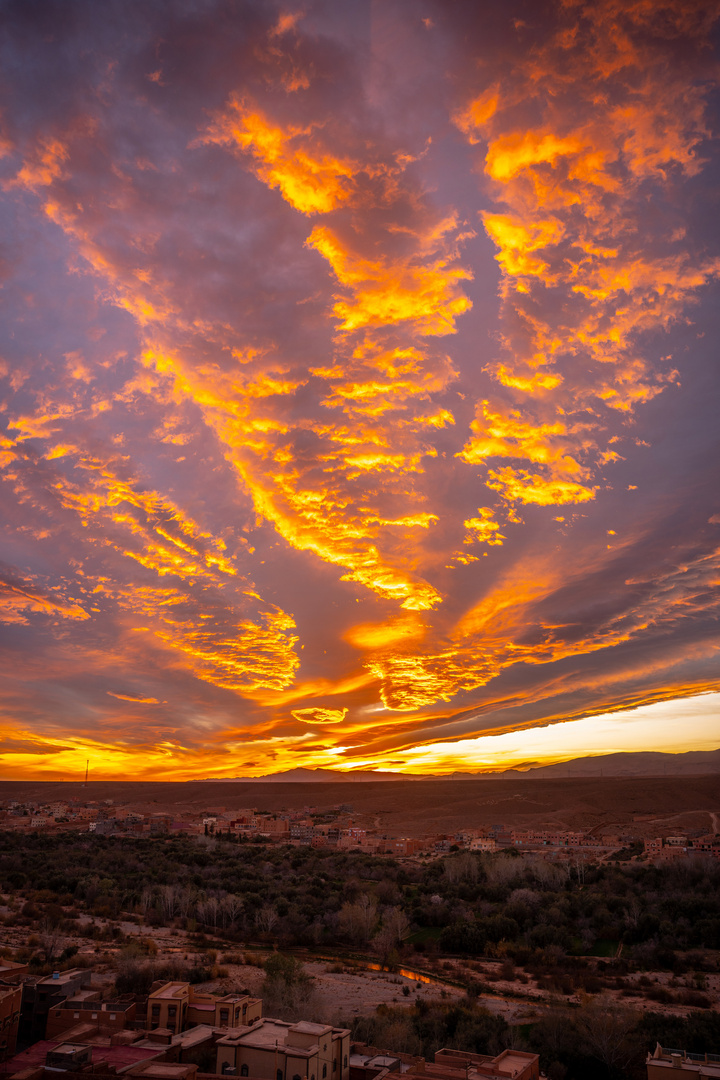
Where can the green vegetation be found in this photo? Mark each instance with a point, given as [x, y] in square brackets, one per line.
[591, 1043]
[534, 913]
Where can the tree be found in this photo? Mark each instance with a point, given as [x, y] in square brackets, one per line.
[357, 921]
[266, 918]
[168, 899]
[464, 937]
[397, 924]
[231, 907]
[50, 939]
[606, 1034]
[392, 932]
[207, 911]
[147, 899]
[287, 988]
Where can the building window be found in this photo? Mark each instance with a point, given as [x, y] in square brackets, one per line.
[324, 1071]
[279, 1074]
[223, 1016]
[172, 1010]
[243, 1070]
[345, 1062]
[334, 1064]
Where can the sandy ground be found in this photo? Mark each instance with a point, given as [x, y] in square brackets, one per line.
[347, 993]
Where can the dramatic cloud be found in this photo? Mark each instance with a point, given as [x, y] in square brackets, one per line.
[357, 388]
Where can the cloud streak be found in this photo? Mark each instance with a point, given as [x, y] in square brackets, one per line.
[347, 410]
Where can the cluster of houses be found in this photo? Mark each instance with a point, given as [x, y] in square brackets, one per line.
[666, 848]
[336, 828]
[61, 1024]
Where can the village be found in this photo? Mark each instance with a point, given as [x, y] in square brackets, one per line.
[143, 938]
[341, 828]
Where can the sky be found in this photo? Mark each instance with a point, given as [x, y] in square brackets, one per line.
[358, 384]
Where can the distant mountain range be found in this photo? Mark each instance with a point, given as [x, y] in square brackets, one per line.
[641, 763]
[319, 776]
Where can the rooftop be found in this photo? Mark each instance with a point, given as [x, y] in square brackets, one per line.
[170, 990]
[707, 1065]
[185, 1039]
[512, 1061]
[306, 1027]
[60, 977]
[83, 999]
[165, 1070]
[267, 1032]
[271, 1033]
[119, 1057]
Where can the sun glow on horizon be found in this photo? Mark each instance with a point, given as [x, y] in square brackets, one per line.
[662, 726]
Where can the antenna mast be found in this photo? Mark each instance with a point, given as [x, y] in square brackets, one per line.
[87, 767]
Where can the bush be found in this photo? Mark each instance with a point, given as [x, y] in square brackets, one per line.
[463, 937]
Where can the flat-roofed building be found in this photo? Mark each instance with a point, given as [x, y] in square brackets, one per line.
[277, 1050]
[83, 1047]
[40, 995]
[177, 1006]
[110, 1016]
[12, 973]
[483, 843]
[10, 1001]
[684, 1066]
[226, 1011]
[373, 1066]
[167, 1006]
[456, 1064]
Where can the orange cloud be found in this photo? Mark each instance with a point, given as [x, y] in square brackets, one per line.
[484, 529]
[43, 166]
[18, 601]
[289, 159]
[524, 487]
[384, 293]
[138, 700]
[374, 636]
[610, 117]
[320, 716]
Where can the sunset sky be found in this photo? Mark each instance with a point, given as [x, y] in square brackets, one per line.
[359, 384]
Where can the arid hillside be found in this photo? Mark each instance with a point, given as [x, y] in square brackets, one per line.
[416, 808]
